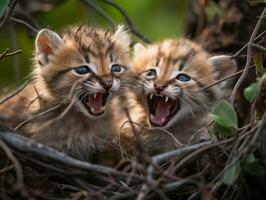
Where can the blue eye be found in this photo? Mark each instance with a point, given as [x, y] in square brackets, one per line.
[116, 68]
[151, 72]
[183, 77]
[82, 70]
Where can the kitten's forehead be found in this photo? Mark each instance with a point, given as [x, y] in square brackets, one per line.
[169, 56]
[89, 38]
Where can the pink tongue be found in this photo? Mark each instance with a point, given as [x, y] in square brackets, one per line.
[95, 102]
[162, 111]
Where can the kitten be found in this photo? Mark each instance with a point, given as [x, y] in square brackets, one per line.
[169, 104]
[75, 74]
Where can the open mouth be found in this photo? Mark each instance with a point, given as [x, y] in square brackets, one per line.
[161, 108]
[95, 103]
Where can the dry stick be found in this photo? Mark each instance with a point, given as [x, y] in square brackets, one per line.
[99, 10]
[18, 169]
[13, 53]
[158, 159]
[243, 48]
[224, 79]
[6, 54]
[127, 19]
[11, 7]
[248, 61]
[38, 115]
[24, 145]
[259, 47]
[26, 24]
[15, 92]
[3, 54]
[6, 169]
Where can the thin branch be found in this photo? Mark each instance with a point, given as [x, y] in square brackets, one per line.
[259, 47]
[100, 11]
[18, 168]
[10, 8]
[15, 92]
[25, 145]
[127, 20]
[249, 57]
[26, 24]
[224, 79]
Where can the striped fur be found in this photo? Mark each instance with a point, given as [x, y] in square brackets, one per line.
[71, 127]
[168, 60]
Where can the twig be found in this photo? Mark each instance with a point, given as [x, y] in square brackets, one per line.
[259, 47]
[6, 54]
[245, 46]
[224, 79]
[11, 7]
[248, 61]
[26, 24]
[100, 11]
[158, 159]
[25, 145]
[15, 92]
[18, 169]
[127, 20]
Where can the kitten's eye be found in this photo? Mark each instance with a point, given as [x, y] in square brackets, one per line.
[150, 73]
[117, 69]
[82, 70]
[183, 77]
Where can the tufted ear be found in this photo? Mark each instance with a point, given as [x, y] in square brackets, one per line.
[46, 43]
[138, 49]
[223, 66]
[122, 36]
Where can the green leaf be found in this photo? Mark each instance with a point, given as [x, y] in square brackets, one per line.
[227, 132]
[232, 173]
[254, 168]
[258, 61]
[225, 115]
[3, 5]
[251, 91]
[250, 158]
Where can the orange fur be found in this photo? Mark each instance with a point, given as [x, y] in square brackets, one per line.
[79, 125]
[170, 106]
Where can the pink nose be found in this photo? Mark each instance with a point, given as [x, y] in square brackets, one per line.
[159, 87]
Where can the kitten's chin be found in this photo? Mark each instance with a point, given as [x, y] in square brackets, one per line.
[93, 105]
[161, 109]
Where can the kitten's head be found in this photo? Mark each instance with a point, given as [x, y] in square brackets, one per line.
[83, 62]
[173, 74]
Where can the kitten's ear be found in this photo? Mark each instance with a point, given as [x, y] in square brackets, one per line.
[223, 66]
[121, 35]
[46, 43]
[138, 49]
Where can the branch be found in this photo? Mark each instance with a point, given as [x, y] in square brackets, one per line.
[10, 8]
[249, 55]
[127, 20]
[23, 22]
[100, 11]
[27, 146]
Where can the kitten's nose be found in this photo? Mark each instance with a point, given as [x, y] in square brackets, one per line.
[159, 87]
[107, 84]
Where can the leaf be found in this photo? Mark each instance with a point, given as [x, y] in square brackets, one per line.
[258, 61]
[250, 158]
[251, 91]
[254, 168]
[232, 173]
[225, 115]
[225, 131]
[3, 5]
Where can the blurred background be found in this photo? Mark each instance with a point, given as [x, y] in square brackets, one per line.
[153, 18]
